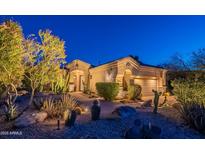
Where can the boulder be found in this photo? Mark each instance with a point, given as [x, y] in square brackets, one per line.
[24, 120]
[142, 131]
[125, 111]
[41, 116]
[147, 103]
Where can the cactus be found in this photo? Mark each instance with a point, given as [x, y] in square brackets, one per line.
[70, 121]
[134, 92]
[156, 100]
[95, 110]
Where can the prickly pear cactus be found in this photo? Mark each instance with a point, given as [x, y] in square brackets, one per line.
[156, 100]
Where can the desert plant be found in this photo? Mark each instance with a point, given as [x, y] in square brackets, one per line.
[107, 90]
[165, 94]
[95, 110]
[189, 91]
[38, 102]
[191, 97]
[194, 115]
[69, 102]
[10, 112]
[57, 108]
[50, 107]
[66, 115]
[11, 55]
[42, 61]
[62, 84]
[156, 100]
[70, 121]
[134, 92]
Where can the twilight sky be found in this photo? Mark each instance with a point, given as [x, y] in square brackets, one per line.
[98, 39]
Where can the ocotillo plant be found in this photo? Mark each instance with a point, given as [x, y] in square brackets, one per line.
[156, 100]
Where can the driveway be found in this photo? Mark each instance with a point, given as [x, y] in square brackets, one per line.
[106, 106]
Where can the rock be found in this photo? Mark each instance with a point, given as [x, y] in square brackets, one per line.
[24, 120]
[139, 131]
[23, 92]
[125, 111]
[41, 116]
[147, 103]
[176, 106]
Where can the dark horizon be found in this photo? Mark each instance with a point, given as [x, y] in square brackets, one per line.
[99, 39]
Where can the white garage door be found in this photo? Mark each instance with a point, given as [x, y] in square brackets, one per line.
[147, 86]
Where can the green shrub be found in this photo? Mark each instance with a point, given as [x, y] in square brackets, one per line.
[134, 92]
[189, 91]
[191, 97]
[107, 90]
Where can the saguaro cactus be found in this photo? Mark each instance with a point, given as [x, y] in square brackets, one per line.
[156, 100]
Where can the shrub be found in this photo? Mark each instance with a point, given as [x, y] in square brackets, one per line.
[50, 107]
[59, 108]
[134, 92]
[189, 91]
[107, 90]
[194, 115]
[191, 97]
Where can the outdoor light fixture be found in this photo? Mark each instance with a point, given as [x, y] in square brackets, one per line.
[58, 124]
[86, 110]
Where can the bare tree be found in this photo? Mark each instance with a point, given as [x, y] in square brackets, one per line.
[176, 63]
[198, 60]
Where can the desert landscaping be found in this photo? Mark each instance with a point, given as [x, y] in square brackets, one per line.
[42, 96]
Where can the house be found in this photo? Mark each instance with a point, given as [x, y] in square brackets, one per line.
[125, 71]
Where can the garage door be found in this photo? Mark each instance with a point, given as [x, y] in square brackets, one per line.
[147, 86]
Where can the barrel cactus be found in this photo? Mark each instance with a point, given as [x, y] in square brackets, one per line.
[95, 110]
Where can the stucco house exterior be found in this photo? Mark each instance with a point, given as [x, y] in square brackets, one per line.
[124, 71]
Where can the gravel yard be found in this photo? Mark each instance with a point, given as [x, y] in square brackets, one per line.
[111, 126]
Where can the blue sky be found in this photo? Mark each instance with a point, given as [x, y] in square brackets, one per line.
[98, 39]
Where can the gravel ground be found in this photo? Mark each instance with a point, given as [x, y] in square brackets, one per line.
[110, 127]
[107, 128]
